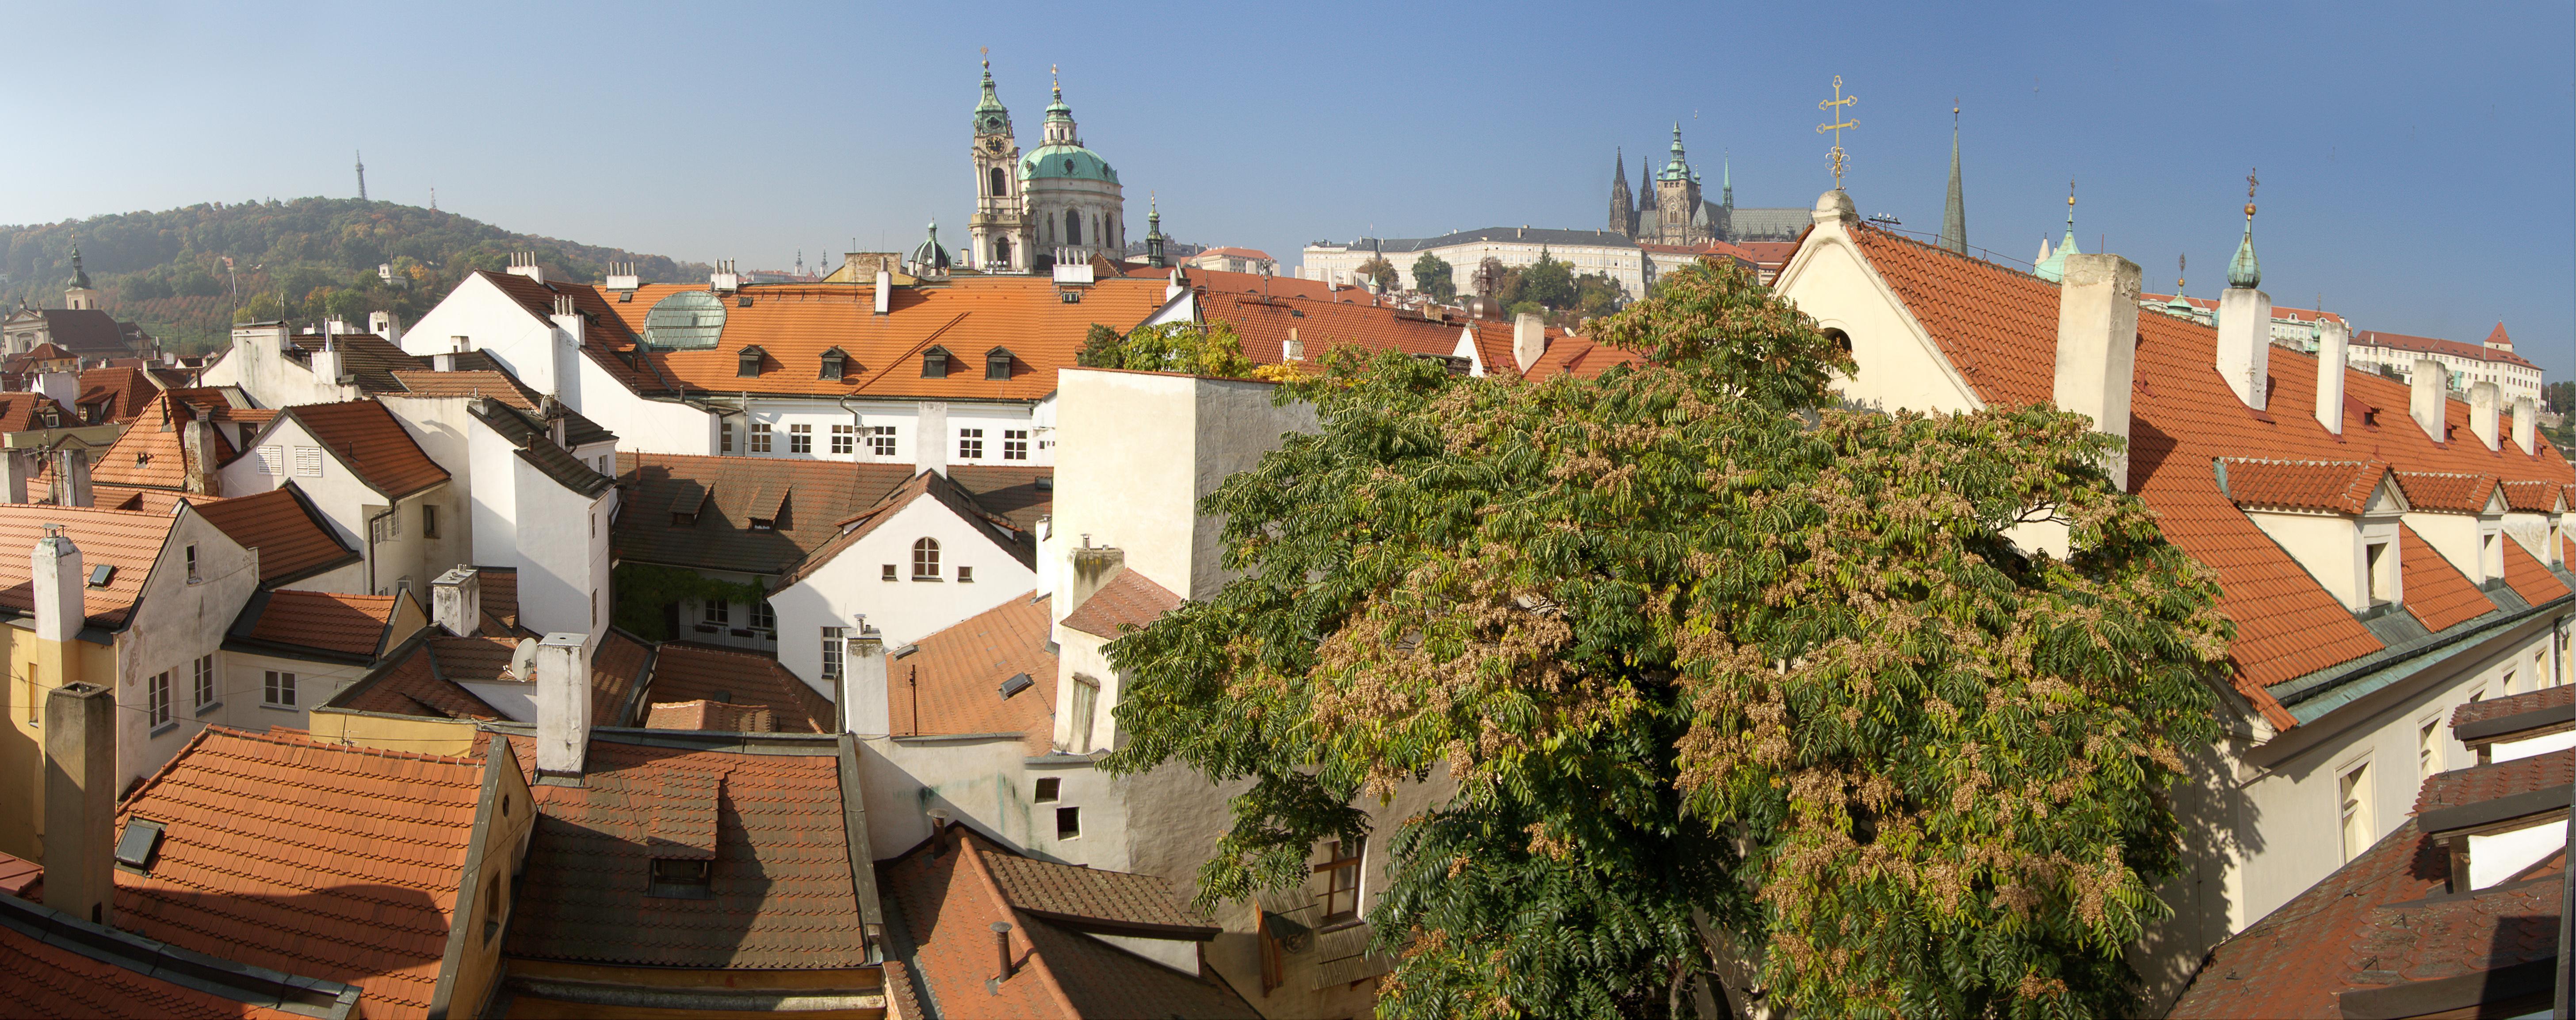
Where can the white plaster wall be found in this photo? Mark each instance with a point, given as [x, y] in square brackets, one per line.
[2328, 545]
[442, 426]
[1623, 263]
[904, 610]
[243, 679]
[175, 621]
[2508, 750]
[1078, 652]
[561, 544]
[256, 362]
[1899, 367]
[2493, 859]
[2456, 537]
[346, 502]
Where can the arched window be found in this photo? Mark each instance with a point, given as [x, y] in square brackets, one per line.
[1002, 251]
[1072, 226]
[1001, 184]
[925, 558]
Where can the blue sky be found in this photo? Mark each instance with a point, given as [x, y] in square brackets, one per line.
[2418, 163]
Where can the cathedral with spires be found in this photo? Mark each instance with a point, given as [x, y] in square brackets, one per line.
[1666, 207]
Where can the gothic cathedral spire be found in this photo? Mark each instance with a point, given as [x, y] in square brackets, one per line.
[1954, 214]
[1623, 206]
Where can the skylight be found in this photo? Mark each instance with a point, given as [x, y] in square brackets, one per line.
[690, 320]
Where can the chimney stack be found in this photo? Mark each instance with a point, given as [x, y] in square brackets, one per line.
[326, 362]
[385, 325]
[15, 467]
[1529, 340]
[2097, 346]
[2334, 351]
[58, 579]
[456, 600]
[2245, 343]
[2483, 414]
[71, 474]
[2430, 390]
[524, 263]
[1292, 349]
[1093, 566]
[724, 279]
[885, 290]
[80, 800]
[1001, 951]
[868, 702]
[2526, 424]
[563, 705]
[622, 276]
[198, 439]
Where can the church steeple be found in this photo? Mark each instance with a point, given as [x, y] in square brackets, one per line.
[1059, 121]
[1679, 168]
[2052, 266]
[1954, 213]
[2243, 271]
[79, 295]
[1623, 205]
[1726, 180]
[1154, 233]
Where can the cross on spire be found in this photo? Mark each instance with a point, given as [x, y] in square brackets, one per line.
[1842, 119]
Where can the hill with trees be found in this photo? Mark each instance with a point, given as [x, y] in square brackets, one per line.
[188, 274]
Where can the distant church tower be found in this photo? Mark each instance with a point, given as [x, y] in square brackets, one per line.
[79, 295]
[1678, 218]
[998, 236]
[1623, 206]
[1954, 213]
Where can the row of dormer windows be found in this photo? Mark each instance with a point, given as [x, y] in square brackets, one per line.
[837, 365]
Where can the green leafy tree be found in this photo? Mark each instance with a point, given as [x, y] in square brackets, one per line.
[1596, 294]
[1102, 347]
[2560, 396]
[1548, 282]
[1432, 276]
[1184, 347]
[1720, 672]
[1380, 272]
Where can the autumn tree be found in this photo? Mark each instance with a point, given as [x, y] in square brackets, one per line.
[1724, 677]
[1187, 347]
[1379, 271]
[1433, 276]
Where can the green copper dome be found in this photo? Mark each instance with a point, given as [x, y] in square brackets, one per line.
[2243, 271]
[1066, 162]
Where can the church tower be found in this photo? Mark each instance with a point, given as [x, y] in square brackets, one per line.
[1954, 212]
[79, 295]
[1677, 200]
[998, 236]
[1623, 206]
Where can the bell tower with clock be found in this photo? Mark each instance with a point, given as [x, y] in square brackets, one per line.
[999, 230]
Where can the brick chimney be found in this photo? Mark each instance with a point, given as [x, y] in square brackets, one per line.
[1529, 339]
[2484, 414]
[2334, 352]
[456, 600]
[2097, 346]
[866, 699]
[2430, 390]
[80, 800]
[563, 705]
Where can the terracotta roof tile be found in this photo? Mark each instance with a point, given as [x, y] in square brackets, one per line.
[2340, 486]
[2535, 497]
[43, 980]
[2436, 592]
[375, 447]
[951, 683]
[2481, 783]
[2562, 698]
[712, 716]
[1095, 897]
[744, 681]
[1264, 324]
[2528, 578]
[821, 494]
[781, 896]
[125, 540]
[315, 859]
[617, 668]
[410, 685]
[20, 412]
[2447, 491]
[1128, 600]
[1581, 358]
[293, 540]
[370, 359]
[927, 485]
[351, 624]
[120, 393]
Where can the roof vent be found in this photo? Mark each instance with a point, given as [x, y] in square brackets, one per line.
[100, 575]
[1017, 683]
[139, 845]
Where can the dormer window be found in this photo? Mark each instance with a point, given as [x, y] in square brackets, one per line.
[934, 363]
[833, 361]
[2339, 520]
[680, 878]
[997, 363]
[750, 364]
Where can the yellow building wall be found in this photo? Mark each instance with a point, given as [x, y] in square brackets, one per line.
[35, 669]
[393, 732]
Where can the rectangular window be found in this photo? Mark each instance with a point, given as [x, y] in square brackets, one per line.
[800, 439]
[1015, 444]
[760, 437]
[719, 611]
[279, 690]
[2508, 683]
[845, 438]
[965, 574]
[881, 440]
[832, 644]
[204, 677]
[2354, 789]
[763, 617]
[192, 565]
[272, 460]
[1048, 789]
[156, 694]
[890, 573]
[308, 462]
[2428, 748]
[724, 438]
[1086, 705]
[1068, 823]
[428, 521]
[970, 444]
[1339, 889]
[2381, 572]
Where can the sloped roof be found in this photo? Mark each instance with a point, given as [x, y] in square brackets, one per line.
[1581, 358]
[2525, 574]
[2447, 491]
[824, 493]
[2484, 783]
[1999, 328]
[354, 625]
[20, 412]
[684, 672]
[928, 485]
[87, 332]
[2501, 718]
[951, 682]
[121, 391]
[2339, 486]
[293, 540]
[426, 677]
[373, 445]
[2534, 497]
[501, 386]
[126, 540]
[153, 451]
[2430, 345]
[2437, 593]
[324, 860]
[950, 894]
[1263, 325]
[710, 716]
[1127, 601]
[70, 969]
[526, 431]
[369, 358]
[411, 685]
[1095, 899]
[781, 897]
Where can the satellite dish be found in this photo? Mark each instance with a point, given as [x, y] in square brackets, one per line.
[523, 660]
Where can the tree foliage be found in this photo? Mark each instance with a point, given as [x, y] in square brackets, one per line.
[1188, 348]
[1433, 276]
[646, 591]
[1696, 648]
[1379, 271]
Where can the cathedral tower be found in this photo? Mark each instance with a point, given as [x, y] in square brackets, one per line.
[998, 235]
[80, 295]
[1677, 210]
[1623, 206]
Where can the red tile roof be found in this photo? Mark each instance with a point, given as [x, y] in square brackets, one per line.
[43, 979]
[2528, 578]
[2561, 698]
[2340, 486]
[2456, 493]
[1264, 326]
[951, 683]
[322, 860]
[930, 485]
[710, 716]
[2481, 783]
[743, 680]
[411, 685]
[1581, 358]
[781, 897]
[20, 412]
[2437, 593]
[2429, 345]
[153, 452]
[950, 893]
[293, 540]
[2534, 497]
[119, 392]
[1999, 328]
[126, 540]
[351, 624]
[1128, 600]
[375, 447]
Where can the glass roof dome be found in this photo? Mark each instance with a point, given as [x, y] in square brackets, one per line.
[690, 320]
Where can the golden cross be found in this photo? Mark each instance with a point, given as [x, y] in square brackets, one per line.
[1842, 120]
[2250, 182]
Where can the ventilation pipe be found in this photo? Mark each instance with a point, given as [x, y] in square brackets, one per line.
[2334, 352]
[2424, 399]
[1001, 951]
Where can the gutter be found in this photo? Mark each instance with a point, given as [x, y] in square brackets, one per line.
[2331, 691]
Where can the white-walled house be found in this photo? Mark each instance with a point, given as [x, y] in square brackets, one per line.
[279, 368]
[923, 558]
[362, 469]
[525, 495]
[290, 651]
[2357, 524]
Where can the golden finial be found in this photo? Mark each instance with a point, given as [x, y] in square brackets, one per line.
[2182, 264]
[987, 52]
[1835, 106]
[2250, 182]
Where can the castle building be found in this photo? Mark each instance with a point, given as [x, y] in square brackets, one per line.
[80, 326]
[1666, 207]
[1058, 203]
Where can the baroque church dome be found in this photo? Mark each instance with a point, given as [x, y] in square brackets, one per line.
[1066, 162]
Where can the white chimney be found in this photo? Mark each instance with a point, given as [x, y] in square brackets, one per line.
[622, 276]
[868, 706]
[563, 704]
[1180, 285]
[724, 278]
[443, 361]
[63, 387]
[2484, 412]
[386, 325]
[1529, 339]
[2245, 343]
[2526, 423]
[561, 362]
[198, 439]
[16, 466]
[885, 290]
[71, 474]
[1292, 349]
[2334, 349]
[524, 263]
[59, 580]
[2097, 346]
[456, 601]
[326, 363]
[2426, 398]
